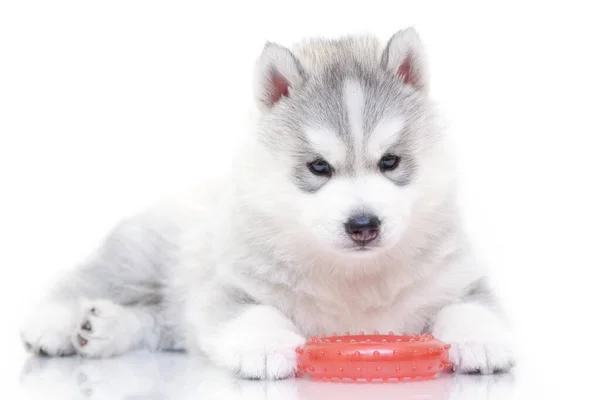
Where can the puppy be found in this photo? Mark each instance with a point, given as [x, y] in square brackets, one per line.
[340, 215]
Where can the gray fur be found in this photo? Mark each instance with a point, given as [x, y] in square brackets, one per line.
[319, 102]
[481, 292]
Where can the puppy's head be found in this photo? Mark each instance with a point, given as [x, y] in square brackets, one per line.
[347, 144]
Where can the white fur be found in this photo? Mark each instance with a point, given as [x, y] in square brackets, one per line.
[480, 341]
[50, 328]
[245, 268]
[325, 139]
[113, 329]
[355, 103]
[383, 135]
[259, 343]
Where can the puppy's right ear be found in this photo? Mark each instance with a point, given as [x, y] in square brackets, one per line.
[277, 72]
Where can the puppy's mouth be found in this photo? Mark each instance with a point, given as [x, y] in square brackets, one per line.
[362, 249]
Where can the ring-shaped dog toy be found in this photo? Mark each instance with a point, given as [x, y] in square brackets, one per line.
[373, 357]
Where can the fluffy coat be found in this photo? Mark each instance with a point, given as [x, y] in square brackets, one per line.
[243, 269]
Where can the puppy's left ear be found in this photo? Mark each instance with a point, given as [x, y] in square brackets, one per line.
[277, 72]
[404, 56]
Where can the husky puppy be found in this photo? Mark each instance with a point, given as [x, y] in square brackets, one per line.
[340, 215]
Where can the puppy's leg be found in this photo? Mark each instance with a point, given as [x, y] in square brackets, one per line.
[127, 269]
[254, 341]
[106, 329]
[480, 339]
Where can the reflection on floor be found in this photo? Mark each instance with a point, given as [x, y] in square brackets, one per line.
[177, 376]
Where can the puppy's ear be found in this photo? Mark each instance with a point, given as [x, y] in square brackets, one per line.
[277, 72]
[404, 56]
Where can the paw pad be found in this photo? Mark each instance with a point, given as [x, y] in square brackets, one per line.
[86, 326]
[82, 341]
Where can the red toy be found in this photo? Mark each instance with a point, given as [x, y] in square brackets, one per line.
[369, 357]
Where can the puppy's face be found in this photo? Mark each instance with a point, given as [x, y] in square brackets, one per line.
[348, 138]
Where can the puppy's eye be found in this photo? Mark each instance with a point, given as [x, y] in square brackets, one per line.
[389, 162]
[320, 167]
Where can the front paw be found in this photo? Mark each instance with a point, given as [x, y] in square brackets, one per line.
[480, 341]
[264, 355]
[481, 357]
[260, 344]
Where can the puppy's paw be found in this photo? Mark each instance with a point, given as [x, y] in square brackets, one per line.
[481, 343]
[265, 355]
[48, 332]
[259, 344]
[104, 329]
[481, 357]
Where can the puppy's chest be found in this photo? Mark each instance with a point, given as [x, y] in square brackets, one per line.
[354, 313]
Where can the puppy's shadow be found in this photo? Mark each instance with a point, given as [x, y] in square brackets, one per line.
[177, 376]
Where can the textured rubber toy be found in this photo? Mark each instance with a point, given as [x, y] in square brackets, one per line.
[373, 357]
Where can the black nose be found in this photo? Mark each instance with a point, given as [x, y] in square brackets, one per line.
[363, 228]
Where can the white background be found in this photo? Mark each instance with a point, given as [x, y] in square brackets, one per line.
[107, 106]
